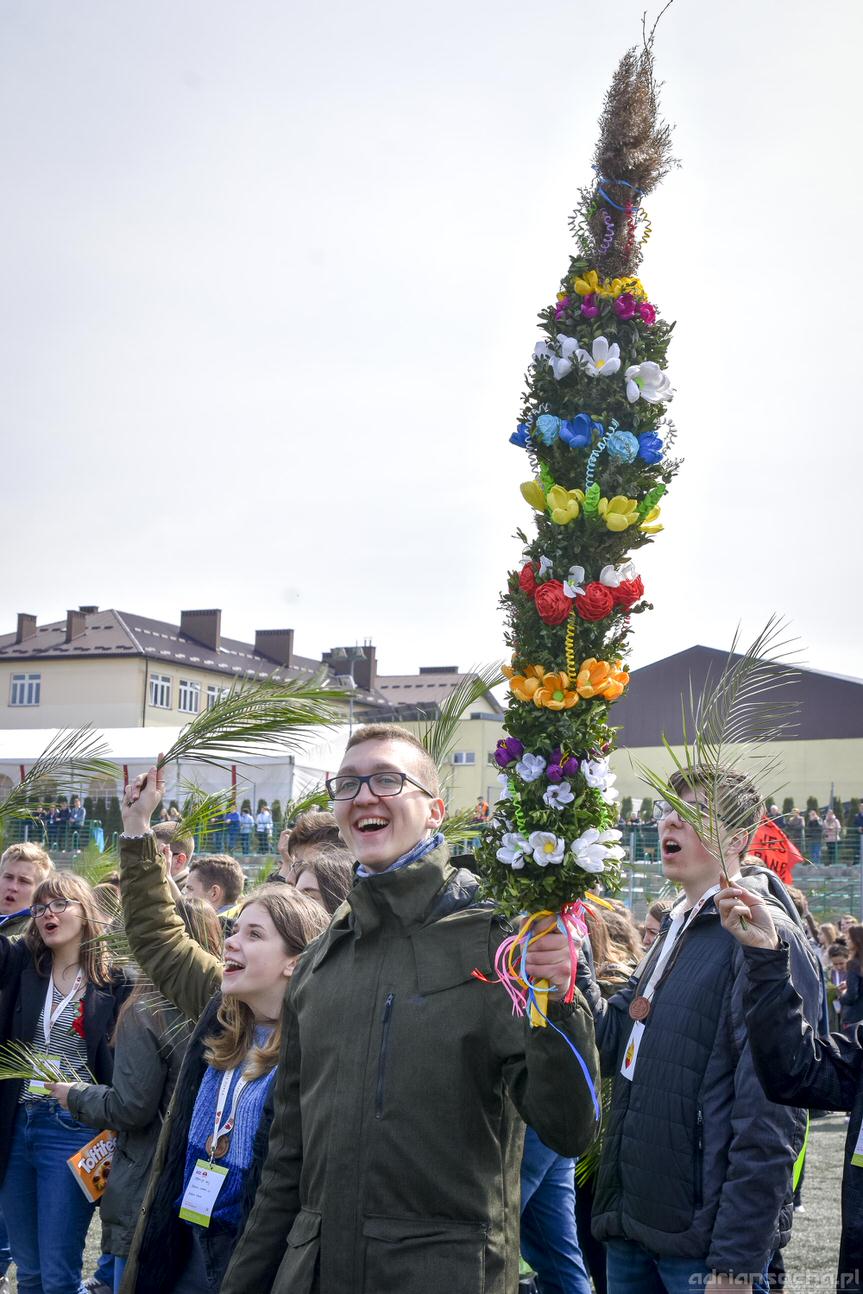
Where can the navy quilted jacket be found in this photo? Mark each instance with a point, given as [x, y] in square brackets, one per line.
[696, 1161]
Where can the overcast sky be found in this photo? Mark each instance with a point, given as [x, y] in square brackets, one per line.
[269, 275]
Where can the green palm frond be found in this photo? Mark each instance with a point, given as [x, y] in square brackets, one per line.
[459, 827]
[317, 798]
[732, 727]
[94, 865]
[73, 755]
[19, 1060]
[439, 735]
[252, 717]
[202, 807]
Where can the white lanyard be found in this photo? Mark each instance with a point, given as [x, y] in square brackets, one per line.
[49, 1016]
[675, 930]
[222, 1129]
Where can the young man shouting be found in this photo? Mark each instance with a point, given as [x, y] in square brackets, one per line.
[394, 1156]
[694, 1186]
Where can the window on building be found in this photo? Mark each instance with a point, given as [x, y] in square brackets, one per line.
[160, 691]
[214, 694]
[464, 757]
[189, 697]
[26, 689]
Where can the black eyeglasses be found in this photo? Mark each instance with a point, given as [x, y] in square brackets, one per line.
[56, 906]
[347, 787]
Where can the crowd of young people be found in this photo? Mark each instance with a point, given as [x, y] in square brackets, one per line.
[368, 1115]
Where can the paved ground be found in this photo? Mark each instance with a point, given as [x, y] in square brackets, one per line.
[810, 1257]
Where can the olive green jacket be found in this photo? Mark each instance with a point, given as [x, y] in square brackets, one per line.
[394, 1156]
[181, 970]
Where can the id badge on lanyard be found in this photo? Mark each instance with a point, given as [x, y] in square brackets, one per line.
[208, 1177]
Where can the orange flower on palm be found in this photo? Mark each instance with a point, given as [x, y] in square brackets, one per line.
[523, 686]
[601, 678]
[555, 693]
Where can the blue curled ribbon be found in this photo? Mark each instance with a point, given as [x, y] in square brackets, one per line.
[533, 1002]
[602, 193]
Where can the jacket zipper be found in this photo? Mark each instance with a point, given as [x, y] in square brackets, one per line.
[699, 1157]
[382, 1058]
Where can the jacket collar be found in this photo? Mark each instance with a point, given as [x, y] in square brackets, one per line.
[407, 898]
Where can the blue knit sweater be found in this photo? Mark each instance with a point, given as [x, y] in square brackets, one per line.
[228, 1211]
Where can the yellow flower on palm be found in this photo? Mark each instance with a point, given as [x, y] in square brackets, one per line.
[587, 284]
[534, 494]
[631, 285]
[648, 525]
[619, 513]
[564, 505]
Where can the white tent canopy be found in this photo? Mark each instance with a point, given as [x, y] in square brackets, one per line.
[272, 773]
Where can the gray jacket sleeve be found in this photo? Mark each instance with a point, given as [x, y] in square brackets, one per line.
[765, 1138]
[132, 1100]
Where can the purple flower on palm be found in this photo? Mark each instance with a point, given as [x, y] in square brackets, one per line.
[589, 308]
[507, 751]
[625, 306]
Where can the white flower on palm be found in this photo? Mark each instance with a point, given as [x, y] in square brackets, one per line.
[612, 577]
[513, 848]
[547, 847]
[558, 795]
[647, 382]
[594, 848]
[601, 360]
[503, 779]
[597, 774]
[530, 767]
[574, 582]
[559, 360]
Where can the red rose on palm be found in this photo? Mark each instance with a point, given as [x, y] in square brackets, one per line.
[628, 592]
[596, 602]
[527, 580]
[552, 603]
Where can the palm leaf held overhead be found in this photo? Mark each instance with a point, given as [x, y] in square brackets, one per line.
[732, 727]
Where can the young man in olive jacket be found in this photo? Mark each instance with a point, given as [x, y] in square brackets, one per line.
[694, 1185]
[394, 1155]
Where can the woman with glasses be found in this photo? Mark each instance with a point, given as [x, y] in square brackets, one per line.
[59, 996]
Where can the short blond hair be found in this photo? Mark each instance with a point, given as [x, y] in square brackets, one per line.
[392, 732]
[27, 852]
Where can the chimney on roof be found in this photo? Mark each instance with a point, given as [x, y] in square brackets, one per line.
[26, 626]
[204, 626]
[365, 669]
[88, 611]
[275, 644]
[76, 624]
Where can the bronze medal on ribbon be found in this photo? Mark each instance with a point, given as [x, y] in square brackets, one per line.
[222, 1145]
[639, 1008]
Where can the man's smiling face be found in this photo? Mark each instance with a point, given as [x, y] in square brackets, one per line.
[379, 829]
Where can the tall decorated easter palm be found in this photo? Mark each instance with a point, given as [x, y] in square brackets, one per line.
[596, 433]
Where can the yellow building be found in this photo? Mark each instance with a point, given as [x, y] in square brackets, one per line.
[114, 669]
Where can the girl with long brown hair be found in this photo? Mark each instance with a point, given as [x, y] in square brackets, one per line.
[212, 1146]
[851, 1000]
[59, 996]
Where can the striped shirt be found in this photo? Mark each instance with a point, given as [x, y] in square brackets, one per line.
[65, 1042]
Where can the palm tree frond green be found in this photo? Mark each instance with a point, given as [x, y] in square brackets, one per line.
[20, 1060]
[733, 726]
[252, 717]
[201, 807]
[72, 755]
[460, 827]
[316, 798]
[439, 735]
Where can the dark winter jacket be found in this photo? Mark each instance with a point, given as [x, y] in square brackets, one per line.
[395, 1150]
[798, 1068]
[22, 997]
[696, 1161]
[851, 1001]
[149, 1050]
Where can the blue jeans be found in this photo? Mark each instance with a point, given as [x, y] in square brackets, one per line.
[549, 1241]
[632, 1269]
[105, 1268]
[207, 1262]
[45, 1209]
[5, 1252]
[119, 1268]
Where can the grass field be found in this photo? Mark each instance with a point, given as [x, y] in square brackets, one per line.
[810, 1257]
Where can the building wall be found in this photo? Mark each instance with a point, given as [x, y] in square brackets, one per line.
[806, 768]
[464, 783]
[108, 693]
